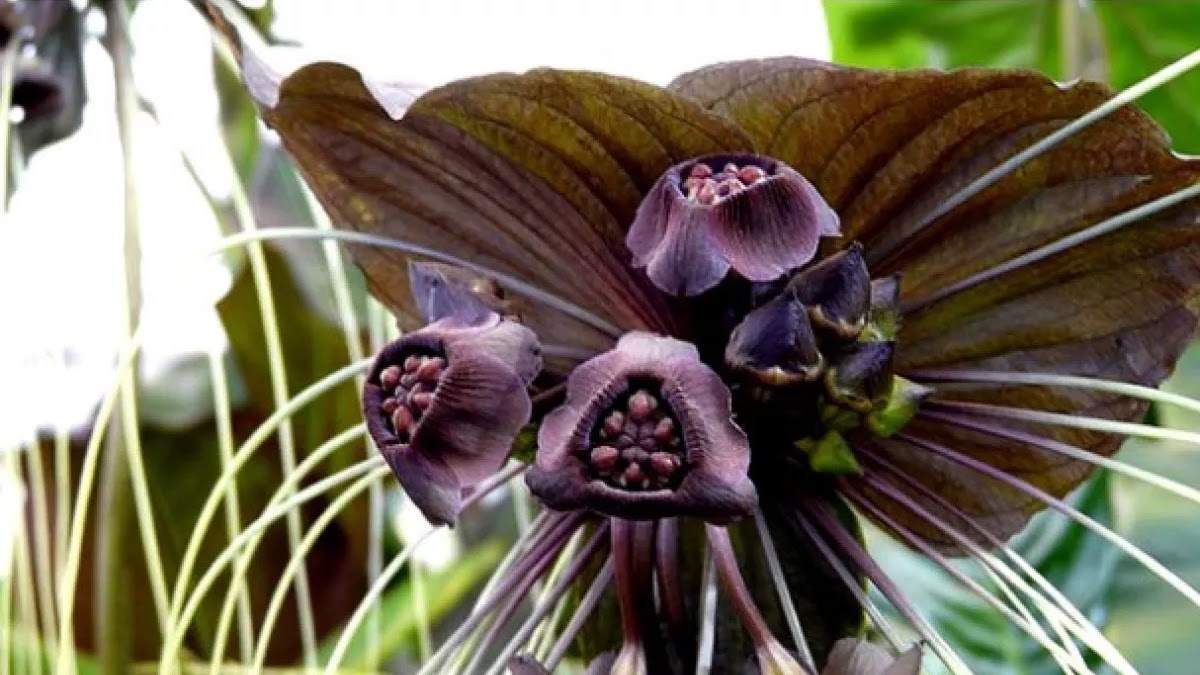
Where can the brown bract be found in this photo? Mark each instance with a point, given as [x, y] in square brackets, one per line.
[540, 175]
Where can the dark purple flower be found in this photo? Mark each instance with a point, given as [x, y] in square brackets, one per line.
[444, 404]
[749, 212]
[646, 432]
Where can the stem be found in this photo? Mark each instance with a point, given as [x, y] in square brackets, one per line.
[582, 613]
[785, 597]
[706, 645]
[113, 607]
[233, 518]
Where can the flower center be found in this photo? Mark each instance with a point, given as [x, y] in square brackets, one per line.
[410, 387]
[706, 186]
[637, 444]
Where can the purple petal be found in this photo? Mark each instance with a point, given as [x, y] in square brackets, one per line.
[710, 481]
[773, 227]
[673, 241]
[445, 403]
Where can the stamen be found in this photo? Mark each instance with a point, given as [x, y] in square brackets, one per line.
[408, 389]
[1152, 564]
[637, 444]
[850, 546]
[704, 186]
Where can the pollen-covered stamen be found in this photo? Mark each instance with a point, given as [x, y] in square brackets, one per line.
[637, 444]
[705, 186]
[410, 386]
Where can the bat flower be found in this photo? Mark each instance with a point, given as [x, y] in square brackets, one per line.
[645, 432]
[729, 390]
[749, 212]
[444, 404]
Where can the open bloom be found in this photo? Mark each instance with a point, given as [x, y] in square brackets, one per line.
[725, 377]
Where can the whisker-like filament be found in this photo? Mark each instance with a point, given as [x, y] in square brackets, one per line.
[244, 557]
[216, 497]
[223, 414]
[587, 605]
[850, 547]
[1065, 420]
[1121, 99]
[172, 642]
[1057, 246]
[550, 597]
[557, 530]
[955, 375]
[1068, 661]
[790, 615]
[393, 568]
[1050, 445]
[40, 518]
[296, 563]
[509, 593]
[851, 584]
[1090, 634]
[707, 641]
[1148, 561]
[508, 281]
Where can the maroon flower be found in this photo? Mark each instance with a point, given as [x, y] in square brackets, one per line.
[752, 213]
[444, 404]
[646, 432]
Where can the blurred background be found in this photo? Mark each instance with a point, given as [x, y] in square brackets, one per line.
[132, 149]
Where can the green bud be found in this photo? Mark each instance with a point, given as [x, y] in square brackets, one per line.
[902, 403]
[832, 454]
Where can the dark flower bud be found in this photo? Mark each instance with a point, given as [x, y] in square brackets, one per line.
[775, 344]
[749, 212]
[441, 290]
[863, 377]
[851, 656]
[444, 404]
[646, 432]
[885, 307]
[837, 292]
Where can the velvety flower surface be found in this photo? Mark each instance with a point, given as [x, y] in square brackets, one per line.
[444, 404]
[646, 432]
[721, 354]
